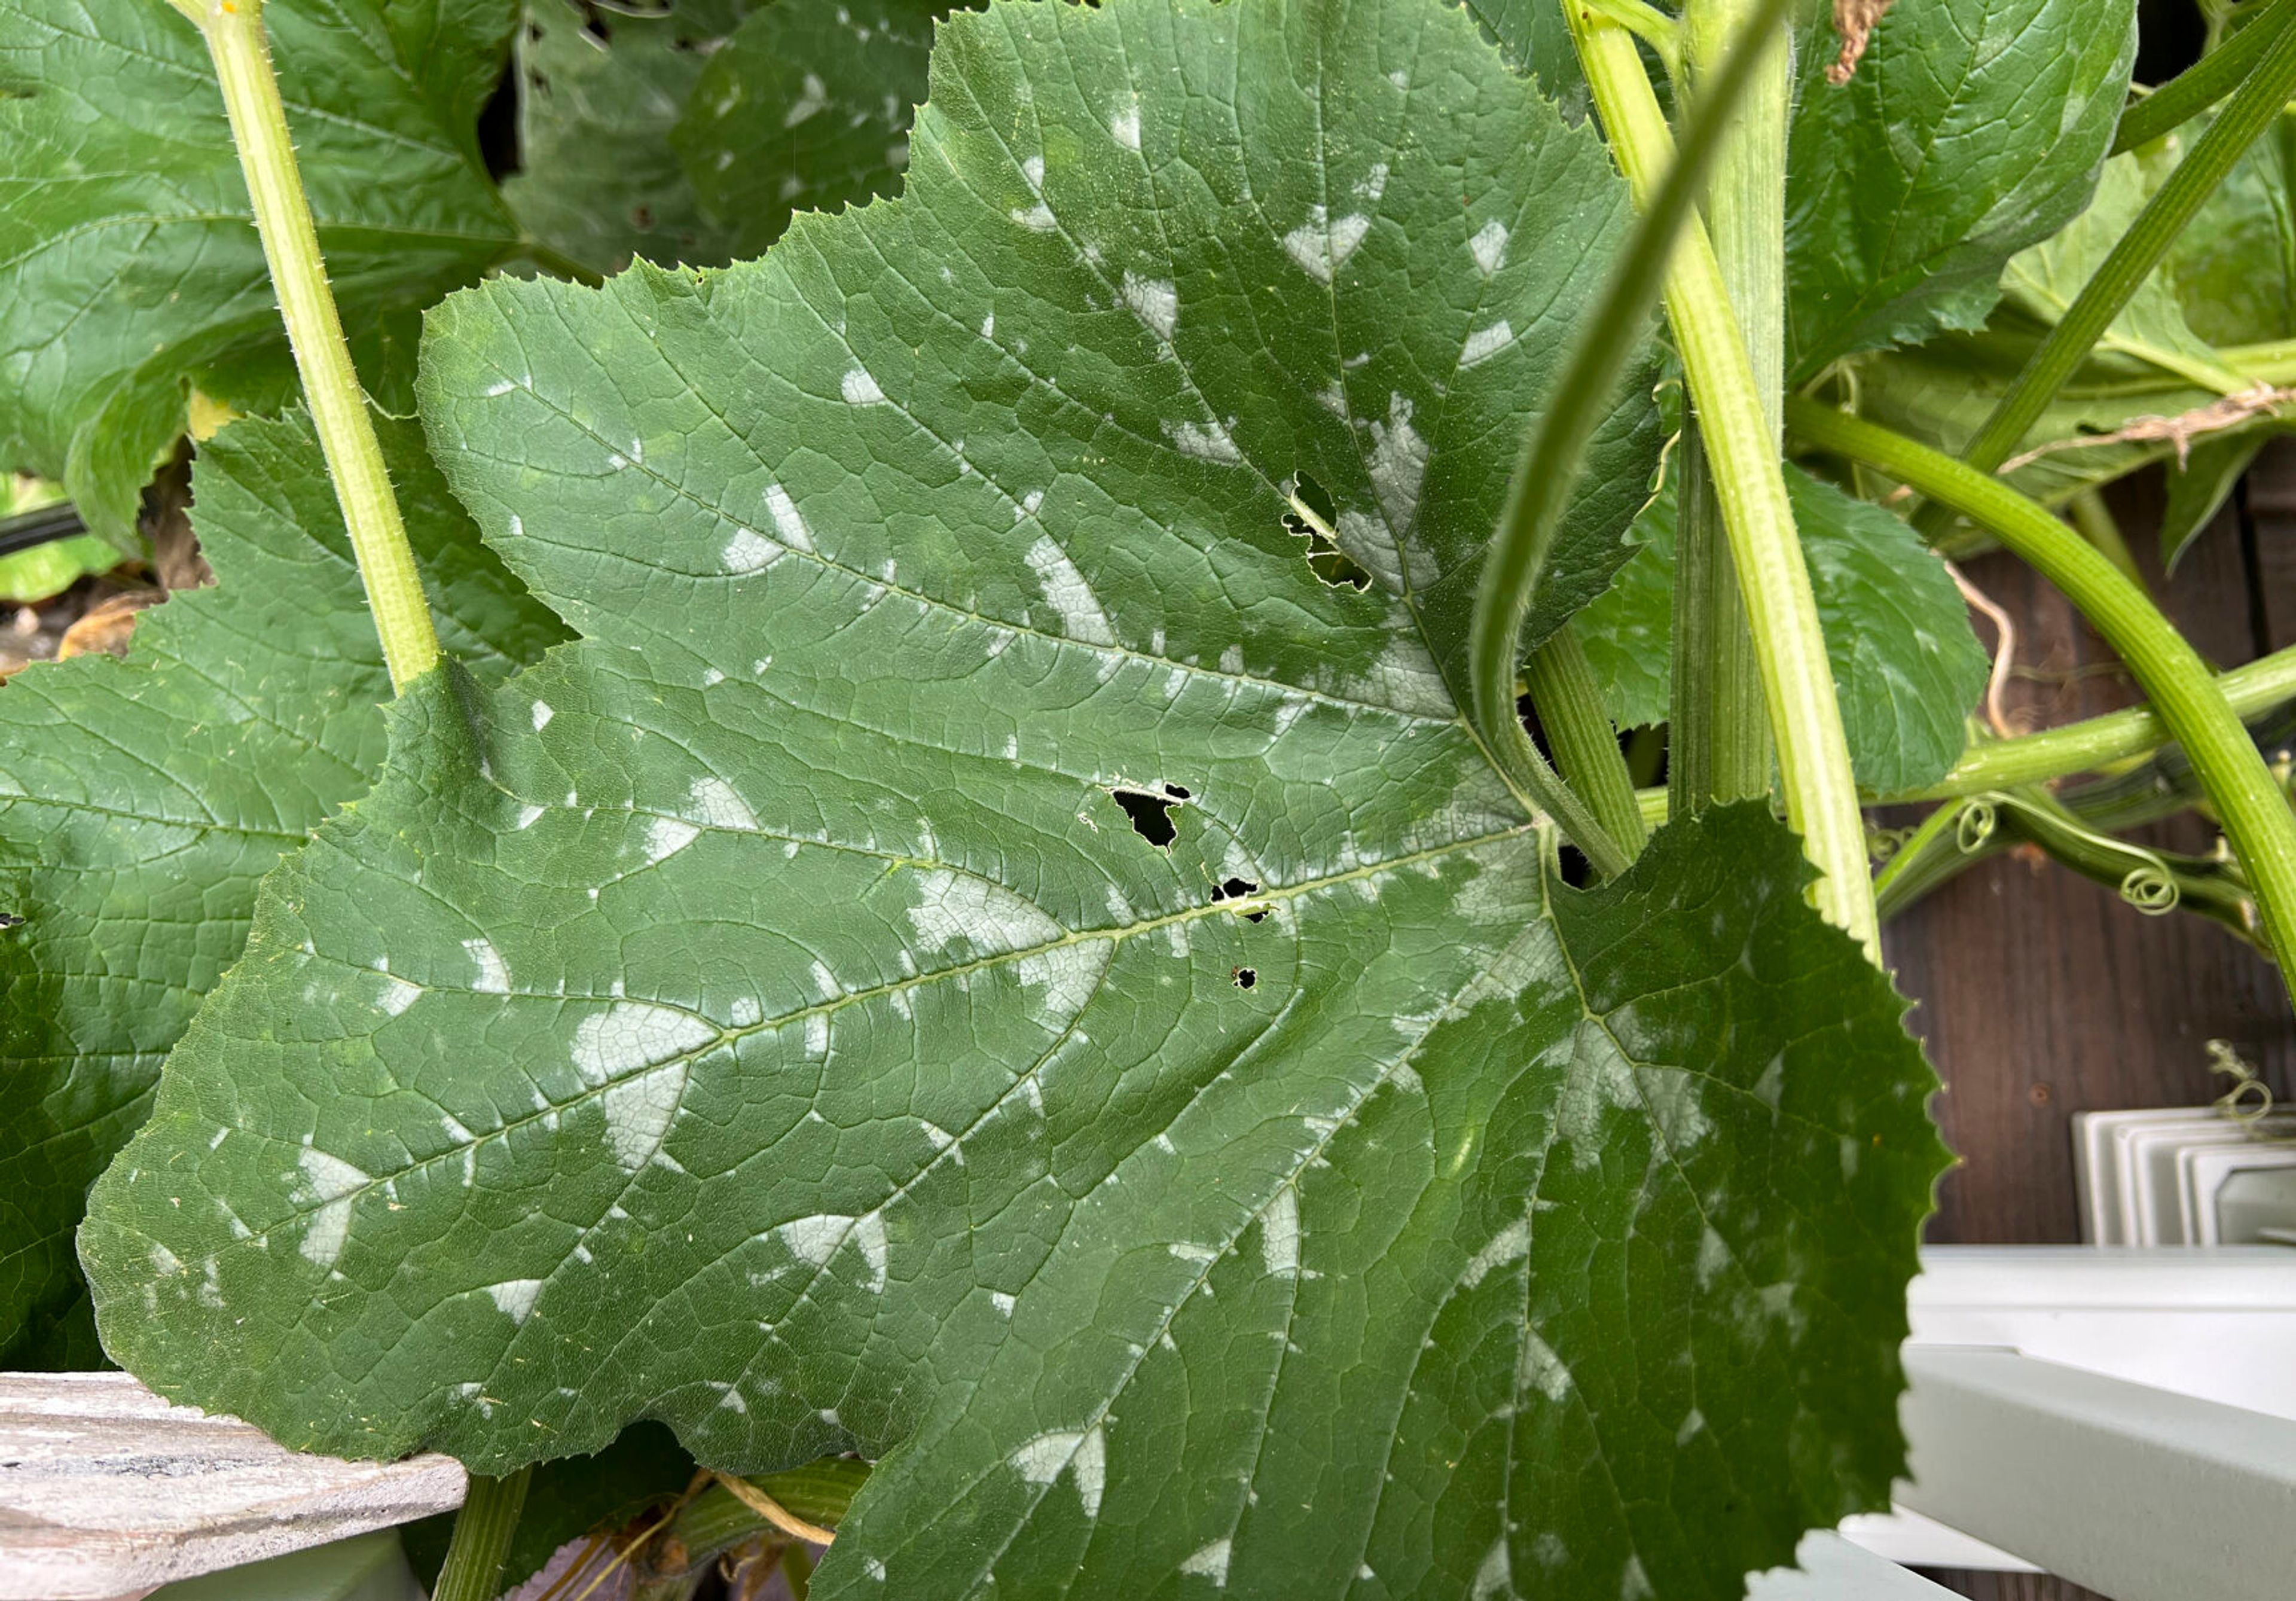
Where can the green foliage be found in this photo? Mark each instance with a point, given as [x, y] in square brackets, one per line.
[1972, 130]
[979, 946]
[806, 107]
[141, 800]
[600, 90]
[133, 268]
[1908, 668]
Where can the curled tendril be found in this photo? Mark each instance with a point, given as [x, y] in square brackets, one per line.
[2250, 1099]
[1975, 827]
[2152, 889]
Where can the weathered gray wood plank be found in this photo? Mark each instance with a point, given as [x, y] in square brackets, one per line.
[106, 1489]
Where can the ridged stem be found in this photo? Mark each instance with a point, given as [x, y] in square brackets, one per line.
[1740, 444]
[1719, 731]
[482, 1535]
[1570, 700]
[233, 31]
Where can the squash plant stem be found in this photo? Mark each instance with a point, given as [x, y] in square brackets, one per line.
[1718, 732]
[1741, 445]
[234, 35]
[2202, 83]
[2249, 801]
[2253, 108]
[482, 1532]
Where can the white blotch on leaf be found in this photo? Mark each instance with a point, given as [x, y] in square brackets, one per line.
[629, 1037]
[515, 1297]
[666, 836]
[1321, 246]
[1210, 1562]
[396, 995]
[1155, 301]
[1484, 343]
[332, 1183]
[493, 977]
[1038, 218]
[809, 103]
[1043, 1459]
[1497, 1574]
[1537, 1367]
[1399, 463]
[1125, 126]
[716, 805]
[787, 520]
[860, 387]
[1509, 1245]
[954, 908]
[817, 1239]
[1206, 441]
[749, 551]
[1280, 1232]
[1488, 247]
[542, 715]
[1068, 594]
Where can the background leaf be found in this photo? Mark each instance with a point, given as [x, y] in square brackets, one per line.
[134, 264]
[599, 91]
[980, 944]
[805, 108]
[1971, 130]
[140, 801]
[1907, 667]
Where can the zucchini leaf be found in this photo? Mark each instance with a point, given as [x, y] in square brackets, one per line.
[140, 801]
[133, 266]
[1971, 130]
[1907, 666]
[979, 945]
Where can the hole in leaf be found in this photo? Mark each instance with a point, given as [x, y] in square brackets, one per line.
[1235, 889]
[1245, 978]
[1312, 517]
[9, 920]
[1150, 814]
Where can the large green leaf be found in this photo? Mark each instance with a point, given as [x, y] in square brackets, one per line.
[140, 801]
[772, 1015]
[1971, 130]
[1908, 668]
[2234, 266]
[599, 91]
[807, 108]
[132, 263]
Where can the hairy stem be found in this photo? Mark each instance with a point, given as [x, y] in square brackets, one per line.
[233, 31]
[2248, 801]
[1741, 445]
[1720, 731]
[1570, 701]
[2251, 109]
[1554, 451]
[2202, 83]
[482, 1532]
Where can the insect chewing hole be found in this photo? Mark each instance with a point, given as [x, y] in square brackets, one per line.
[1236, 889]
[1312, 517]
[1151, 811]
[1245, 978]
[10, 920]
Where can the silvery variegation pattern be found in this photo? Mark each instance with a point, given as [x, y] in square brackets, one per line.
[981, 958]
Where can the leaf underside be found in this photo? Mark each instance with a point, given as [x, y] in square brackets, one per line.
[141, 800]
[773, 1013]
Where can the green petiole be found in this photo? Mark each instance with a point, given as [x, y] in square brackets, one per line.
[2202, 83]
[1821, 796]
[236, 39]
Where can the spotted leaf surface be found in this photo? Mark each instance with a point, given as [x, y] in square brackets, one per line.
[132, 267]
[982, 956]
[140, 801]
